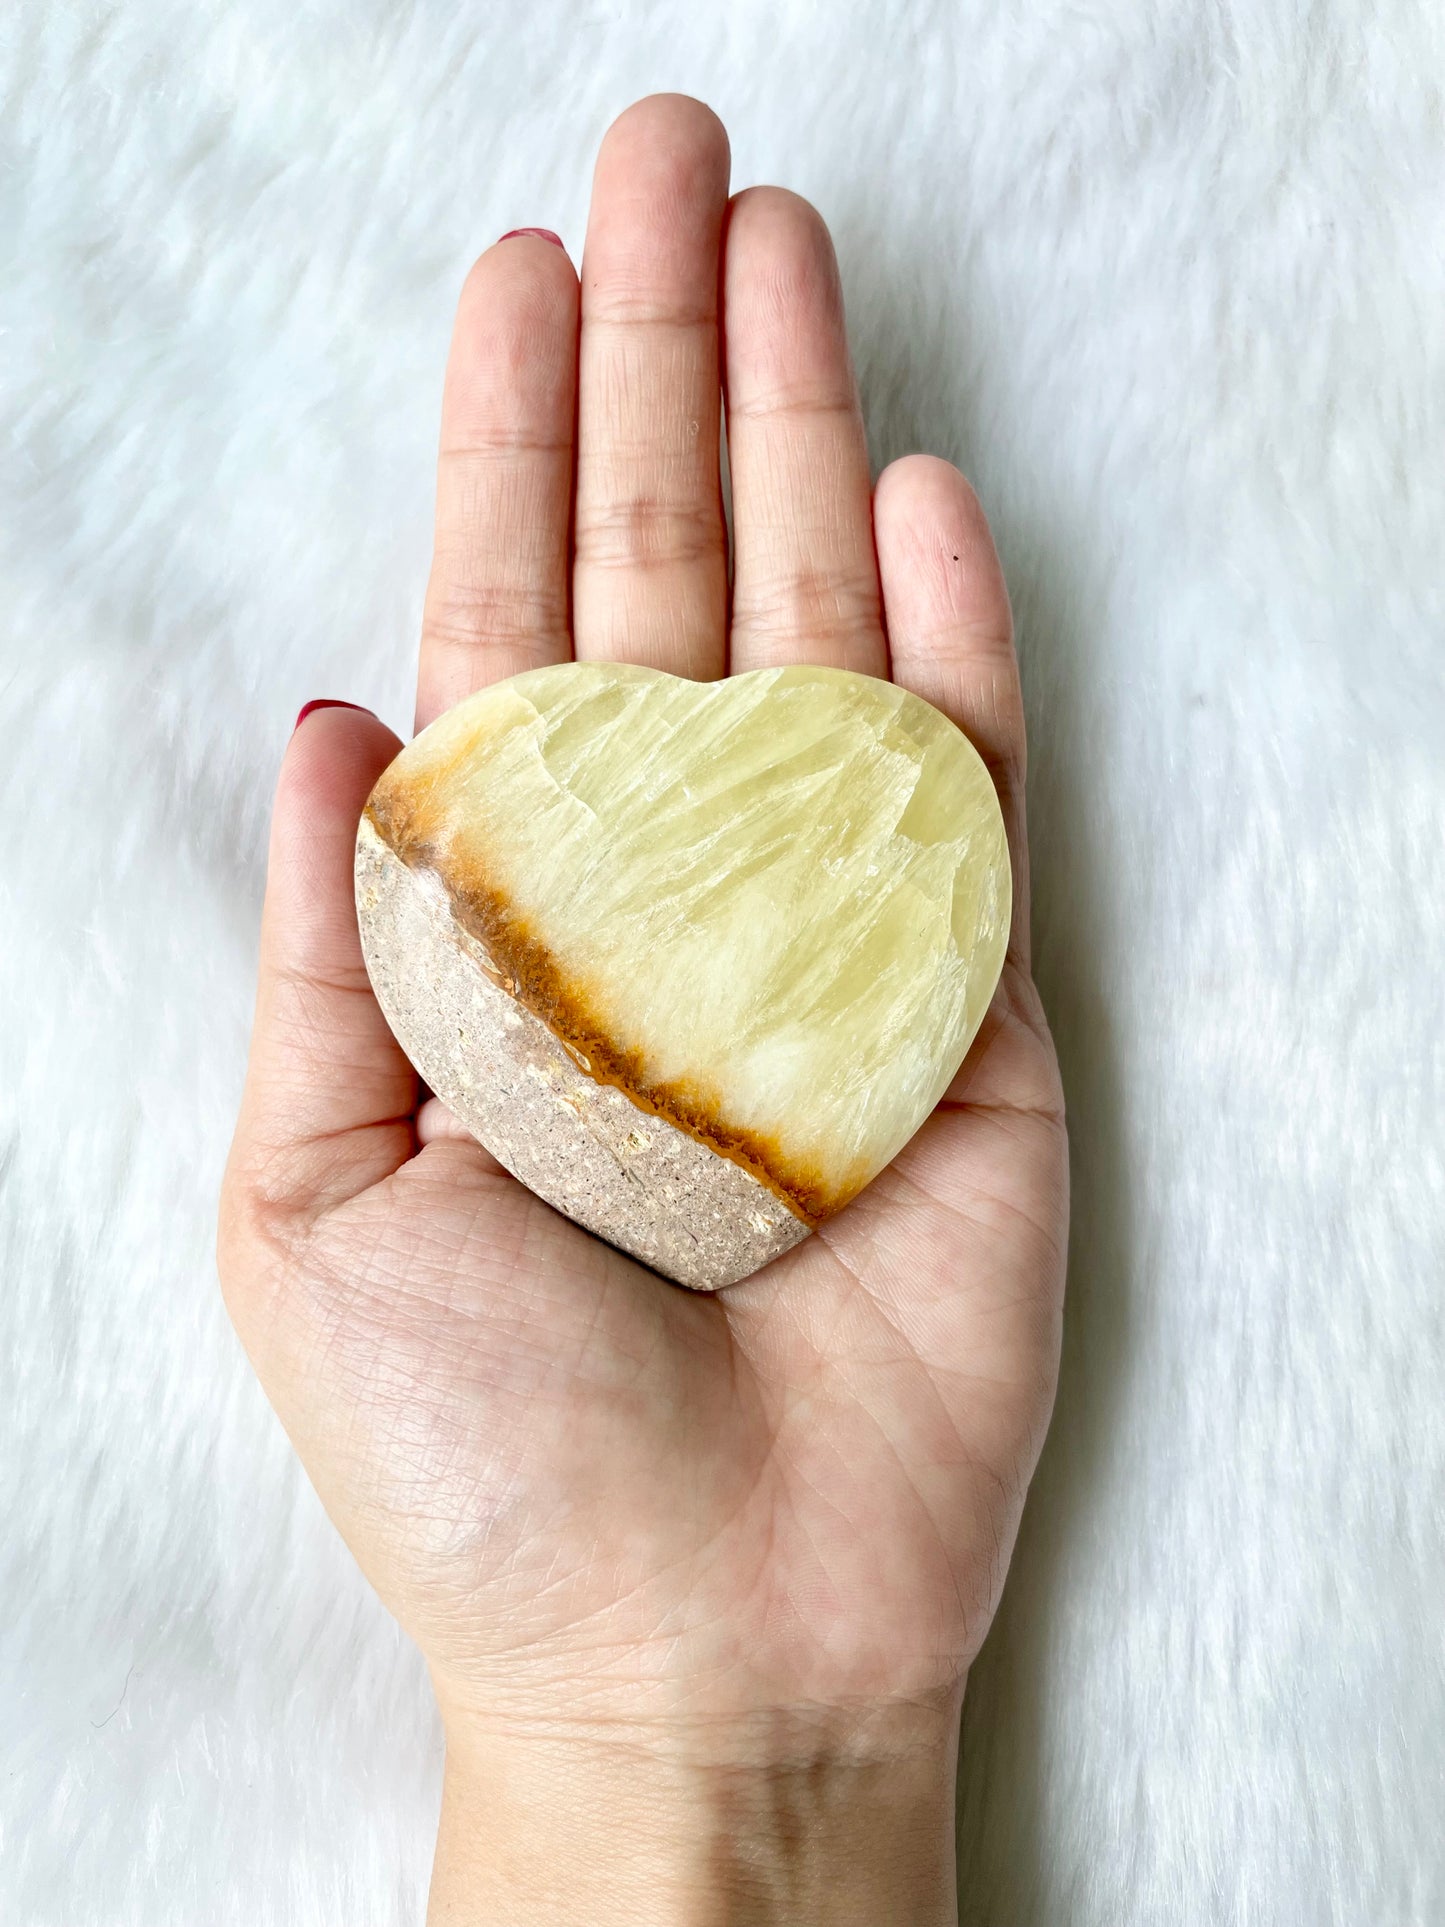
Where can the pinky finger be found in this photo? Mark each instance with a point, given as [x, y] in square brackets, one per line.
[950, 631]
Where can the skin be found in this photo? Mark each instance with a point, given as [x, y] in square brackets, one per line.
[698, 1579]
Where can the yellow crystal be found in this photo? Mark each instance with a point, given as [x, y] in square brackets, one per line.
[772, 910]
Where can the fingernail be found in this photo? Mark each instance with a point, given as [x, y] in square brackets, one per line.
[325, 702]
[542, 234]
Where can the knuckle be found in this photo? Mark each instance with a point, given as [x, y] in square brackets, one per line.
[808, 600]
[627, 300]
[801, 402]
[643, 530]
[462, 612]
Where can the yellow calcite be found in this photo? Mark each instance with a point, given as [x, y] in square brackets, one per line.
[772, 909]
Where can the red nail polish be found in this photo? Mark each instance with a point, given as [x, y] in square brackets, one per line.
[325, 702]
[542, 234]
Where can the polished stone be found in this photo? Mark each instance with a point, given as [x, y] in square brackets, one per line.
[766, 915]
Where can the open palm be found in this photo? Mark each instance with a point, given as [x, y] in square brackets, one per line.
[594, 1499]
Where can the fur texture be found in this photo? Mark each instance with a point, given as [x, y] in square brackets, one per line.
[1168, 281]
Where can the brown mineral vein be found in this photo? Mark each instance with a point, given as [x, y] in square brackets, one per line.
[525, 967]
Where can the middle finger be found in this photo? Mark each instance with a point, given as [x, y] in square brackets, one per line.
[650, 575]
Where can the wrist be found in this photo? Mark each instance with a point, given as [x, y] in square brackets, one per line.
[827, 1819]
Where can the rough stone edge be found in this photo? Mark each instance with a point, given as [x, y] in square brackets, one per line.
[584, 1147]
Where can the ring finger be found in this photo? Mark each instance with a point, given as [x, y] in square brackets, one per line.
[805, 585]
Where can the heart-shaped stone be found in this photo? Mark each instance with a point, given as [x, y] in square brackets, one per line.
[693, 960]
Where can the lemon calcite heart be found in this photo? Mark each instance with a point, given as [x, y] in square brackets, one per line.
[693, 960]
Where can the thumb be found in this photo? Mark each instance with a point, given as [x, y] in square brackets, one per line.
[329, 1093]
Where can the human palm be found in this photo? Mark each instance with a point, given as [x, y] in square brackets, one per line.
[600, 1503]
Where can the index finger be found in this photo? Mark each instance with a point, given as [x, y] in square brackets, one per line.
[496, 602]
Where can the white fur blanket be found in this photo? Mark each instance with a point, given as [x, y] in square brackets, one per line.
[1168, 280]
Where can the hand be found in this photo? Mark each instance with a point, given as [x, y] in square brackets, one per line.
[698, 1579]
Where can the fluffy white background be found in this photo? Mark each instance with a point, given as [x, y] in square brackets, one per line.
[1167, 280]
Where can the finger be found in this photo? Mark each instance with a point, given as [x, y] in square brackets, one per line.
[497, 599]
[329, 1093]
[805, 582]
[650, 577]
[950, 631]
[436, 1124]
